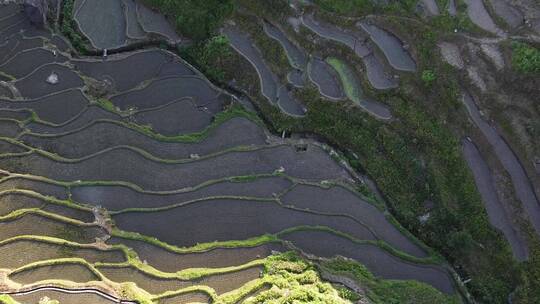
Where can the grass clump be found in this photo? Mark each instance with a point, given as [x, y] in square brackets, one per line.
[195, 19]
[295, 280]
[428, 77]
[525, 58]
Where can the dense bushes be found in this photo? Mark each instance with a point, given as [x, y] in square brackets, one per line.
[525, 59]
[68, 27]
[195, 19]
[208, 56]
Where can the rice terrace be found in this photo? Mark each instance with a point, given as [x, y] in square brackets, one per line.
[269, 151]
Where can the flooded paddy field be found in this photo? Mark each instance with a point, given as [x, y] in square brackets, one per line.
[126, 165]
[69, 272]
[120, 197]
[261, 217]
[134, 167]
[62, 297]
[32, 224]
[72, 102]
[232, 133]
[376, 260]
[128, 72]
[487, 188]
[521, 183]
[166, 260]
[19, 253]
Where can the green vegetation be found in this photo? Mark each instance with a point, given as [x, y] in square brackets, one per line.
[348, 77]
[525, 58]
[6, 299]
[206, 56]
[69, 27]
[416, 159]
[195, 19]
[346, 7]
[295, 281]
[388, 291]
[428, 77]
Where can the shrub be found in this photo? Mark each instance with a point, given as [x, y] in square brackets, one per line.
[525, 59]
[428, 76]
[195, 19]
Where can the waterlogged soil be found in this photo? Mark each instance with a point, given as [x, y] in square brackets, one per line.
[63, 298]
[102, 135]
[70, 272]
[129, 166]
[31, 224]
[129, 71]
[488, 190]
[338, 200]
[120, 197]
[19, 253]
[168, 261]
[57, 108]
[522, 185]
[378, 261]
[231, 219]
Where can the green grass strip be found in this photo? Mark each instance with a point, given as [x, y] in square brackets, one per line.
[349, 79]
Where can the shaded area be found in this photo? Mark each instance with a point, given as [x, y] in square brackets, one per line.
[522, 185]
[488, 190]
[103, 22]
